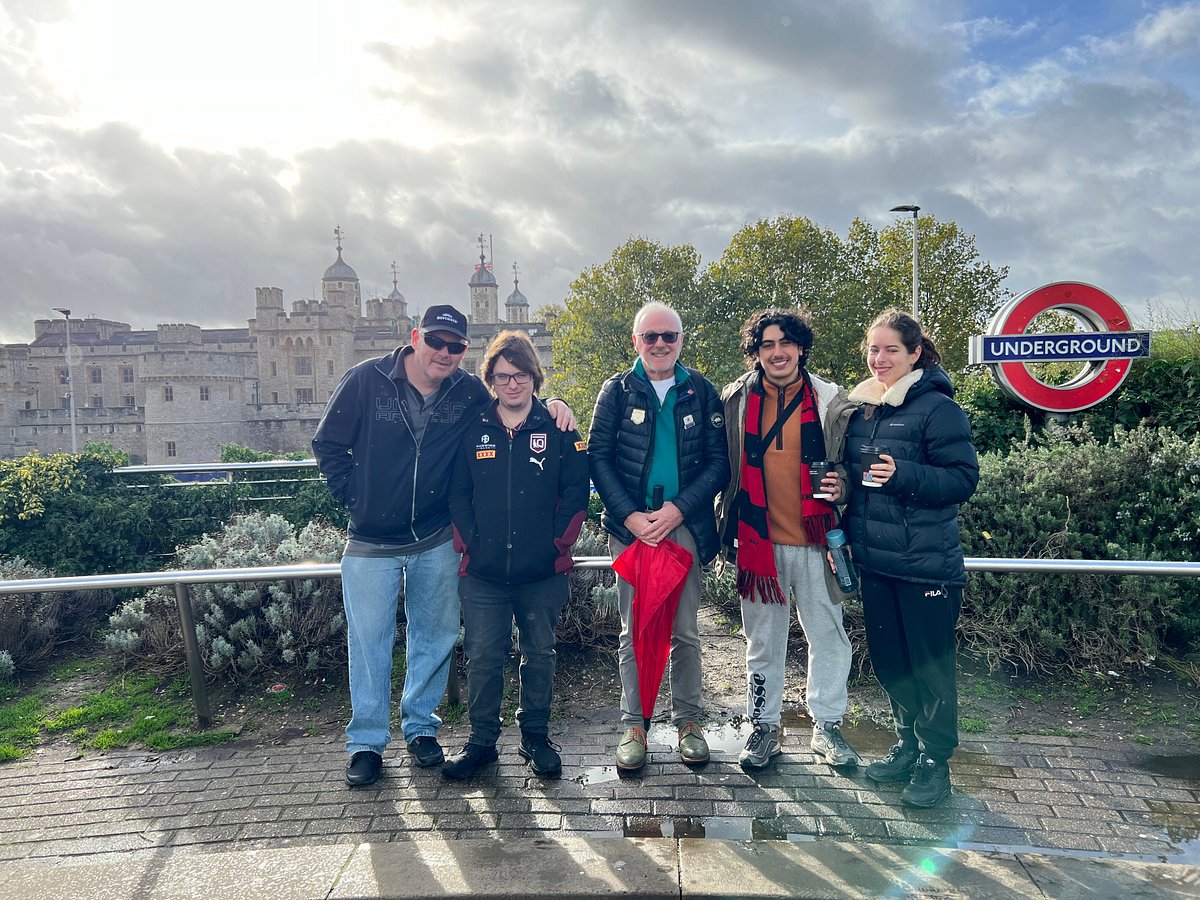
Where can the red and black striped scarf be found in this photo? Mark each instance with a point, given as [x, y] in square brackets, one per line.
[755, 556]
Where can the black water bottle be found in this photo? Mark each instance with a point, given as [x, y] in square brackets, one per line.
[843, 566]
[656, 498]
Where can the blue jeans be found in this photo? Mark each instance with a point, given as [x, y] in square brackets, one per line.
[370, 590]
[488, 613]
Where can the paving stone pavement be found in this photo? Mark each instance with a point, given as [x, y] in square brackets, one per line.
[1076, 797]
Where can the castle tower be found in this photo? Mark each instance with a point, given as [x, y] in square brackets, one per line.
[485, 293]
[339, 284]
[516, 307]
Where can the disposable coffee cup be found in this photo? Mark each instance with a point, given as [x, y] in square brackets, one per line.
[869, 455]
[816, 474]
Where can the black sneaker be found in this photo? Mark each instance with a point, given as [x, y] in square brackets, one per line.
[364, 768]
[468, 761]
[542, 754]
[930, 783]
[896, 766]
[426, 750]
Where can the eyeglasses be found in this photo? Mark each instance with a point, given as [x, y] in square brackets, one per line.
[503, 378]
[651, 337]
[436, 343]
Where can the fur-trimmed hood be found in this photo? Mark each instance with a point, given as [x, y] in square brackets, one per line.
[876, 393]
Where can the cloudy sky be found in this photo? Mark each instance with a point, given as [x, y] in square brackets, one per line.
[158, 161]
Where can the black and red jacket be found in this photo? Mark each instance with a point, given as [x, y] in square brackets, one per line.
[518, 503]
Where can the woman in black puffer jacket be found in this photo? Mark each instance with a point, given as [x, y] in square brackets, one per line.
[905, 538]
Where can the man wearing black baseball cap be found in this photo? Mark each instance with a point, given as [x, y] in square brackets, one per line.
[386, 445]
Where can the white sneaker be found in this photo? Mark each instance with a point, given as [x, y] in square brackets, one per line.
[761, 746]
[827, 742]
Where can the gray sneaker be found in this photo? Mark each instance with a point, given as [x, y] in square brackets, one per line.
[827, 742]
[762, 745]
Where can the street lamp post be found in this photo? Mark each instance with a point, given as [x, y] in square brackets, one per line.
[70, 376]
[914, 210]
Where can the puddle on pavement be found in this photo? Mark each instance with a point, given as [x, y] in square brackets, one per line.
[717, 828]
[1182, 827]
[1184, 767]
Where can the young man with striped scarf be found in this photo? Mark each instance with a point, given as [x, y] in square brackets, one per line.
[779, 420]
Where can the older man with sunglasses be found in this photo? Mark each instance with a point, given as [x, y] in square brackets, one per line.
[658, 458]
[386, 444]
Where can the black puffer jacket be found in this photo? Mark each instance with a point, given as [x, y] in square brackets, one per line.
[908, 528]
[619, 453]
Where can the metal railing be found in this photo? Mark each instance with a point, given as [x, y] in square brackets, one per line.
[180, 579]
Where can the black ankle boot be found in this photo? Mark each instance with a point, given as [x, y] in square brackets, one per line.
[930, 783]
[468, 761]
[896, 766]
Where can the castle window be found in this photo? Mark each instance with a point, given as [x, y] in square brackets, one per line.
[97, 402]
[231, 393]
[96, 375]
[66, 402]
[170, 449]
[168, 393]
[330, 364]
[274, 396]
[130, 401]
[304, 395]
[204, 392]
[64, 376]
[126, 374]
[304, 365]
[328, 340]
[274, 369]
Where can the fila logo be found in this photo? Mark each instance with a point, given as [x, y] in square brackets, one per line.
[936, 592]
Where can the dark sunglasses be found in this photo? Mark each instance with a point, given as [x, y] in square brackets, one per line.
[436, 343]
[651, 337]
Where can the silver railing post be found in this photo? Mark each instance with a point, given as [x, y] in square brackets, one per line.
[187, 624]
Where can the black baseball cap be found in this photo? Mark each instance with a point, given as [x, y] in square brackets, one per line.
[444, 318]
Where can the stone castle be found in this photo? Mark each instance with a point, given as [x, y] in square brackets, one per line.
[175, 394]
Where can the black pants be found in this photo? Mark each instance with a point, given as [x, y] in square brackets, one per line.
[910, 636]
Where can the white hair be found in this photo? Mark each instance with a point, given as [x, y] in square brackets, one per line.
[652, 307]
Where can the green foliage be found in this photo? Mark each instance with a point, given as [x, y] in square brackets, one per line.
[592, 338]
[590, 617]
[243, 629]
[787, 261]
[33, 626]
[299, 495]
[69, 513]
[1137, 497]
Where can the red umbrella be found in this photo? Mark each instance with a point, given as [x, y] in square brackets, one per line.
[657, 574]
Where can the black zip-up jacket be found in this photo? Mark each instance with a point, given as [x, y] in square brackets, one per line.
[619, 453]
[518, 503]
[908, 528]
[396, 491]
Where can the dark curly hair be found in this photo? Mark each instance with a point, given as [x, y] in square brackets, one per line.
[792, 322]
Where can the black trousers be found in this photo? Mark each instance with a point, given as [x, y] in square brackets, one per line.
[910, 636]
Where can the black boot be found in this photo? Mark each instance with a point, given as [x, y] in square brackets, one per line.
[896, 766]
[542, 754]
[930, 783]
[468, 761]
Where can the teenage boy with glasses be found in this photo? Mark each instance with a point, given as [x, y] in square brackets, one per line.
[386, 445]
[658, 433]
[518, 500]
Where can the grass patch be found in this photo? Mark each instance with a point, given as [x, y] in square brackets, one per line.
[988, 689]
[972, 726]
[1144, 739]
[1049, 731]
[134, 708]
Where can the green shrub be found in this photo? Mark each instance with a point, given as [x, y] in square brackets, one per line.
[243, 629]
[32, 626]
[69, 513]
[1137, 497]
[299, 495]
[590, 617]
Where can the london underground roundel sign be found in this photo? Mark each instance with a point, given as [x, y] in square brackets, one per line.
[1107, 347]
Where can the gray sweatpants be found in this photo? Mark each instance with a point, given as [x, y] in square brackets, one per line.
[802, 577]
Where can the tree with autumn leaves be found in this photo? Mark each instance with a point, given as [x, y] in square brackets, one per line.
[787, 261]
